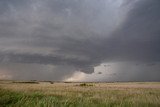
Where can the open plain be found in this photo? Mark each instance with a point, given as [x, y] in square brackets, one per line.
[66, 94]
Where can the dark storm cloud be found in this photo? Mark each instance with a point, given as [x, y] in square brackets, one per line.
[55, 32]
[79, 34]
[138, 37]
[79, 64]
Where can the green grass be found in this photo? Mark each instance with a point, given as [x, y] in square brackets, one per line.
[85, 84]
[26, 82]
[38, 95]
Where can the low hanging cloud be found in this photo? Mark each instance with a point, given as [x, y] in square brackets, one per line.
[55, 38]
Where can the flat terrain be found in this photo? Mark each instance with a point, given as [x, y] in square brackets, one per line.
[48, 94]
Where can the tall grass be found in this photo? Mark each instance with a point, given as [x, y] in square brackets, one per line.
[71, 95]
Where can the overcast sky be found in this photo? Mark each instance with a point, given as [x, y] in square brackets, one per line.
[80, 40]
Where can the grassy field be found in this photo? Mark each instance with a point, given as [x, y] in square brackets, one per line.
[47, 94]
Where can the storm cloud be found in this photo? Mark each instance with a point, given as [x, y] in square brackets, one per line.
[53, 39]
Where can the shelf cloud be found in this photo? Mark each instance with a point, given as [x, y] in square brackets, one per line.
[54, 39]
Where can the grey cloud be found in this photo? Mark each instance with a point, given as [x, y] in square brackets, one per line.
[138, 37]
[26, 71]
[80, 64]
[125, 71]
[50, 26]
[79, 34]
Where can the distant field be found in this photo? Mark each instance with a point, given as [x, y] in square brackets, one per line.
[49, 94]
